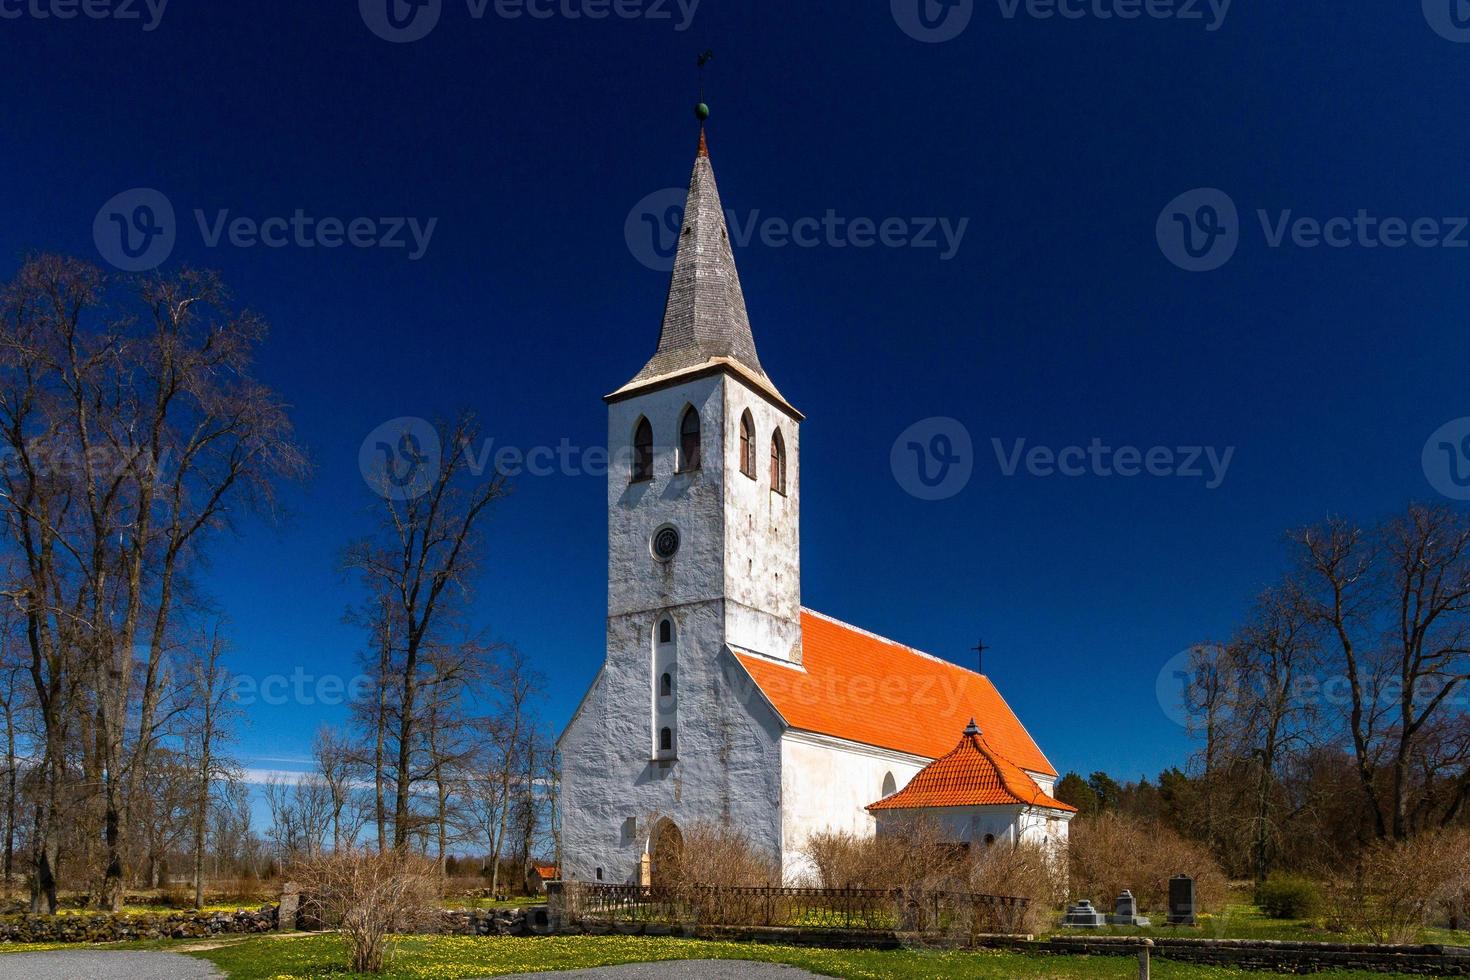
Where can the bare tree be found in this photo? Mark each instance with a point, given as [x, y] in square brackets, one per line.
[206, 726]
[1270, 722]
[135, 436]
[338, 772]
[1395, 602]
[418, 570]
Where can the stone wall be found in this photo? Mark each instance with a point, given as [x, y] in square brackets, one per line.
[105, 927]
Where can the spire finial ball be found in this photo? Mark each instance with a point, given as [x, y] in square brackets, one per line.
[701, 111]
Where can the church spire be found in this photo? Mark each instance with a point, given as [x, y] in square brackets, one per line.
[704, 315]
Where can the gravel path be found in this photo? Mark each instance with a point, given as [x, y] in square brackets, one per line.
[680, 970]
[91, 964]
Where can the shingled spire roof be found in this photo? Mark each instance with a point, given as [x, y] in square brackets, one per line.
[705, 323]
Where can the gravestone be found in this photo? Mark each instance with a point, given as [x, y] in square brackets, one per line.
[1082, 915]
[290, 904]
[1125, 913]
[1181, 901]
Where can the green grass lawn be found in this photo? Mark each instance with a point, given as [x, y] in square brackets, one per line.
[457, 958]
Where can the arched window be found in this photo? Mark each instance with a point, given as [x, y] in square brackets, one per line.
[778, 462]
[890, 786]
[642, 452]
[747, 445]
[665, 631]
[666, 740]
[689, 441]
[666, 685]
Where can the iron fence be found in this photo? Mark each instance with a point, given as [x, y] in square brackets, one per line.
[925, 911]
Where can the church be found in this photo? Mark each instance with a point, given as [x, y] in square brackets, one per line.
[722, 699]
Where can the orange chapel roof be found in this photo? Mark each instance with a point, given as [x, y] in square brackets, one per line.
[863, 688]
[973, 774]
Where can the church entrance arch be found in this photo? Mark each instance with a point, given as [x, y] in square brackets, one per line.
[666, 853]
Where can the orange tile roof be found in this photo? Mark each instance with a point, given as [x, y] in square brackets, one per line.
[972, 775]
[547, 871]
[860, 687]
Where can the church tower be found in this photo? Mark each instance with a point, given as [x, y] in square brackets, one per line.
[703, 539]
[704, 489]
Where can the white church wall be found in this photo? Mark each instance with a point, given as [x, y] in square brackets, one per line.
[728, 760]
[1002, 824]
[762, 532]
[825, 784]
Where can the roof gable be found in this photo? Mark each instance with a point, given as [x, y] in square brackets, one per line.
[863, 688]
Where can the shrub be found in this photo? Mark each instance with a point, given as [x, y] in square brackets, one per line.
[1111, 852]
[912, 853]
[369, 895]
[1284, 896]
[717, 854]
[1399, 887]
[1022, 871]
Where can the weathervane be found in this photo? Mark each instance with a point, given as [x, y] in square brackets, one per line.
[700, 109]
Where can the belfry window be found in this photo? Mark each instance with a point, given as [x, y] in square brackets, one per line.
[642, 452]
[747, 445]
[778, 462]
[665, 631]
[689, 441]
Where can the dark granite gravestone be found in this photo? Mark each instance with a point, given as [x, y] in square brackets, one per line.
[1125, 912]
[1083, 916]
[1181, 901]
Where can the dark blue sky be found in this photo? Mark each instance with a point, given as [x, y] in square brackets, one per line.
[1058, 320]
